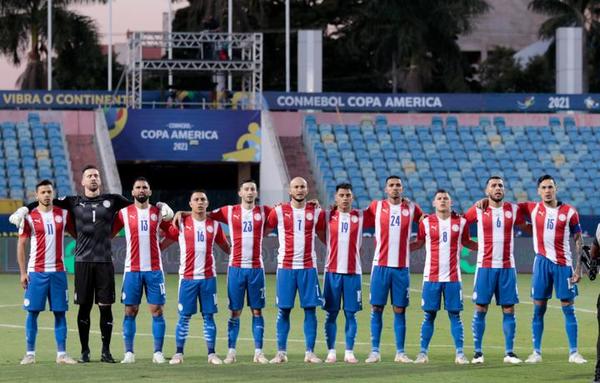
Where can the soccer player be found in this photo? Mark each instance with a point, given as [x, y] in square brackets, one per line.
[444, 233]
[197, 235]
[343, 270]
[143, 267]
[393, 218]
[246, 273]
[496, 273]
[93, 215]
[44, 277]
[553, 223]
[595, 254]
[297, 223]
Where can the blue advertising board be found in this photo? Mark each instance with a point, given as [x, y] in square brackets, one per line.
[184, 135]
[432, 102]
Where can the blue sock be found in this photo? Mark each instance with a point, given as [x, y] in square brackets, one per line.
[571, 327]
[31, 329]
[457, 330]
[129, 332]
[537, 326]
[158, 332]
[60, 330]
[376, 325]
[509, 324]
[427, 330]
[181, 332]
[478, 327]
[310, 328]
[400, 330]
[330, 328]
[233, 330]
[210, 332]
[351, 329]
[258, 330]
[283, 328]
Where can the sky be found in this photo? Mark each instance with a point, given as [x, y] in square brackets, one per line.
[132, 15]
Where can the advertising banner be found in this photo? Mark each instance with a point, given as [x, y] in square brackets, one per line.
[184, 135]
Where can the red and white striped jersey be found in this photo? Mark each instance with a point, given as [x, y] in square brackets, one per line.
[296, 230]
[196, 246]
[142, 237]
[495, 238]
[443, 244]
[344, 237]
[393, 227]
[46, 231]
[552, 228]
[246, 228]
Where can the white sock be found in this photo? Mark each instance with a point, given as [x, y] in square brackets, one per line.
[60, 353]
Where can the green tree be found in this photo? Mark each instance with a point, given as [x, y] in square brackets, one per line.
[23, 35]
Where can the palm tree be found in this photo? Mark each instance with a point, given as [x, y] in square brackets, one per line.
[567, 13]
[409, 39]
[23, 34]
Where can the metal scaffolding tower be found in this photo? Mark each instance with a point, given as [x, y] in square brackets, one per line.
[245, 61]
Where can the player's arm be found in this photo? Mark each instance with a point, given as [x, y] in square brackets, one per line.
[321, 226]
[575, 228]
[271, 222]
[118, 223]
[179, 216]
[471, 215]
[219, 214]
[23, 236]
[221, 240]
[466, 239]
[171, 236]
[418, 242]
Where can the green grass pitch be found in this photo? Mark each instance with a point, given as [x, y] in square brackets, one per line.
[441, 367]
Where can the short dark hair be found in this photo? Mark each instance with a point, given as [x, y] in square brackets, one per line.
[198, 191]
[493, 178]
[440, 191]
[88, 167]
[343, 185]
[393, 176]
[44, 183]
[141, 179]
[544, 178]
[247, 180]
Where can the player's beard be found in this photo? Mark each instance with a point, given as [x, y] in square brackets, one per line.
[141, 198]
[497, 200]
[297, 199]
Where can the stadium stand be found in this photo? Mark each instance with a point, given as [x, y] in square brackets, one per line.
[31, 151]
[455, 157]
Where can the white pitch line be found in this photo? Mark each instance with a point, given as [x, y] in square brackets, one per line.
[6, 306]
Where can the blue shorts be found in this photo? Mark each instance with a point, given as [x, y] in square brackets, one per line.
[432, 296]
[249, 283]
[52, 286]
[547, 274]
[348, 286]
[385, 279]
[496, 281]
[135, 282]
[192, 291]
[305, 281]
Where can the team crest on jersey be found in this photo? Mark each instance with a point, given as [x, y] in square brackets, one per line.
[58, 219]
[405, 212]
[179, 307]
[209, 229]
[153, 217]
[562, 217]
[26, 302]
[508, 214]
[257, 217]
[354, 219]
[106, 204]
[309, 216]
[455, 228]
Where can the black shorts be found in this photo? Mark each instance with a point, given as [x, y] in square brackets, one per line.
[94, 280]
